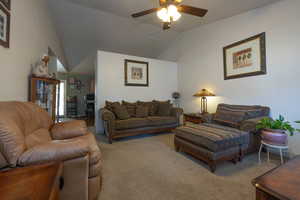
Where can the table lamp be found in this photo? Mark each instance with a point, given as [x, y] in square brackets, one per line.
[203, 94]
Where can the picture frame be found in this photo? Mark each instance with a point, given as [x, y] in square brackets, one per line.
[4, 27]
[6, 3]
[245, 58]
[136, 73]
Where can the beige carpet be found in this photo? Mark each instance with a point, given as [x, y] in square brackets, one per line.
[148, 168]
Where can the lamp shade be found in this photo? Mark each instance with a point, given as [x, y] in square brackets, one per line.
[204, 93]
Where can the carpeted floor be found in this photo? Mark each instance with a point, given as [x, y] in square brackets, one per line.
[148, 168]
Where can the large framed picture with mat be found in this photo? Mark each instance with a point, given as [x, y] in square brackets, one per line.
[136, 73]
[4, 27]
[245, 58]
[6, 3]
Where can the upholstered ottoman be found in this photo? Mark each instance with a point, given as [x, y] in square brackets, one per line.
[211, 143]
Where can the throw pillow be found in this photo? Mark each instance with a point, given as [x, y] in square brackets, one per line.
[121, 112]
[149, 105]
[109, 105]
[131, 108]
[164, 109]
[142, 111]
[156, 105]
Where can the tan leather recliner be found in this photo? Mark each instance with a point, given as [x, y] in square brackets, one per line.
[28, 136]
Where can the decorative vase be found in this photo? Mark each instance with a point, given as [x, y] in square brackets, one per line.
[277, 137]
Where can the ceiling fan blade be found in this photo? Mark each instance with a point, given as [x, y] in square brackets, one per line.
[192, 10]
[166, 25]
[145, 12]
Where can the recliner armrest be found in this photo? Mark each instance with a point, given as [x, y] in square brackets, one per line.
[54, 151]
[250, 124]
[69, 129]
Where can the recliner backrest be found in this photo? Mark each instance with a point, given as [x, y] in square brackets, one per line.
[18, 120]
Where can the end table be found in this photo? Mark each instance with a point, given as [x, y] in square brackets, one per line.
[197, 118]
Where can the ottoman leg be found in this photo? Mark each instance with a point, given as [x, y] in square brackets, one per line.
[241, 157]
[235, 160]
[213, 166]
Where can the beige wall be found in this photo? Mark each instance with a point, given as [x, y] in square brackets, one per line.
[110, 83]
[199, 53]
[32, 32]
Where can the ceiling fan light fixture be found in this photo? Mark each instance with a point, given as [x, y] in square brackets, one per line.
[163, 15]
[169, 14]
[176, 16]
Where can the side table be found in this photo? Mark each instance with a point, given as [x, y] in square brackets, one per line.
[268, 145]
[38, 182]
[197, 118]
[281, 183]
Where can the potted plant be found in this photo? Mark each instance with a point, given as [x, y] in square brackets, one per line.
[275, 131]
[298, 122]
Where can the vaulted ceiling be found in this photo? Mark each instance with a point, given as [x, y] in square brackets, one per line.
[85, 26]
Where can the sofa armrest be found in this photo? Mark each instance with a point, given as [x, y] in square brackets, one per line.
[109, 119]
[176, 112]
[250, 124]
[68, 130]
[54, 151]
[107, 115]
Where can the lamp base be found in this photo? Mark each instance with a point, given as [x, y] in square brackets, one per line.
[204, 105]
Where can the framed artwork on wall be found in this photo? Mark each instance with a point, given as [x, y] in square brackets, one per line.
[136, 73]
[4, 27]
[6, 3]
[245, 58]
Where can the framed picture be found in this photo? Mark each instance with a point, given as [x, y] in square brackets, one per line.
[245, 58]
[6, 3]
[136, 73]
[4, 27]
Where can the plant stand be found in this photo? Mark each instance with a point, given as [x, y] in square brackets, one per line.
[281, 148]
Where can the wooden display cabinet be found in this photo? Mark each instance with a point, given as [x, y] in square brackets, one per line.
[43, 93]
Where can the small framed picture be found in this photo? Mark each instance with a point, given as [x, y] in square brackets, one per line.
[6, 3]
[4, 27]
[136, 73]
[245, 58]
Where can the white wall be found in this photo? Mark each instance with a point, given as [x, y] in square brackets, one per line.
[110, 81]
[31, 34]
[200, 59]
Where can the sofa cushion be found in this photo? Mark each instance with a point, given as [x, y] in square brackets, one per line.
[121, 112]
[159, 121]
[150, 105]
[131, 123]
[131, 108]
[38, 137]
[142, 111]
[164, 109]
[213, 137]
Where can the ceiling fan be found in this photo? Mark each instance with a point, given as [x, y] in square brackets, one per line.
[169, 11]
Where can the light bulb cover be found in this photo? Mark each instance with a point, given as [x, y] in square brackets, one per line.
[163, 15]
